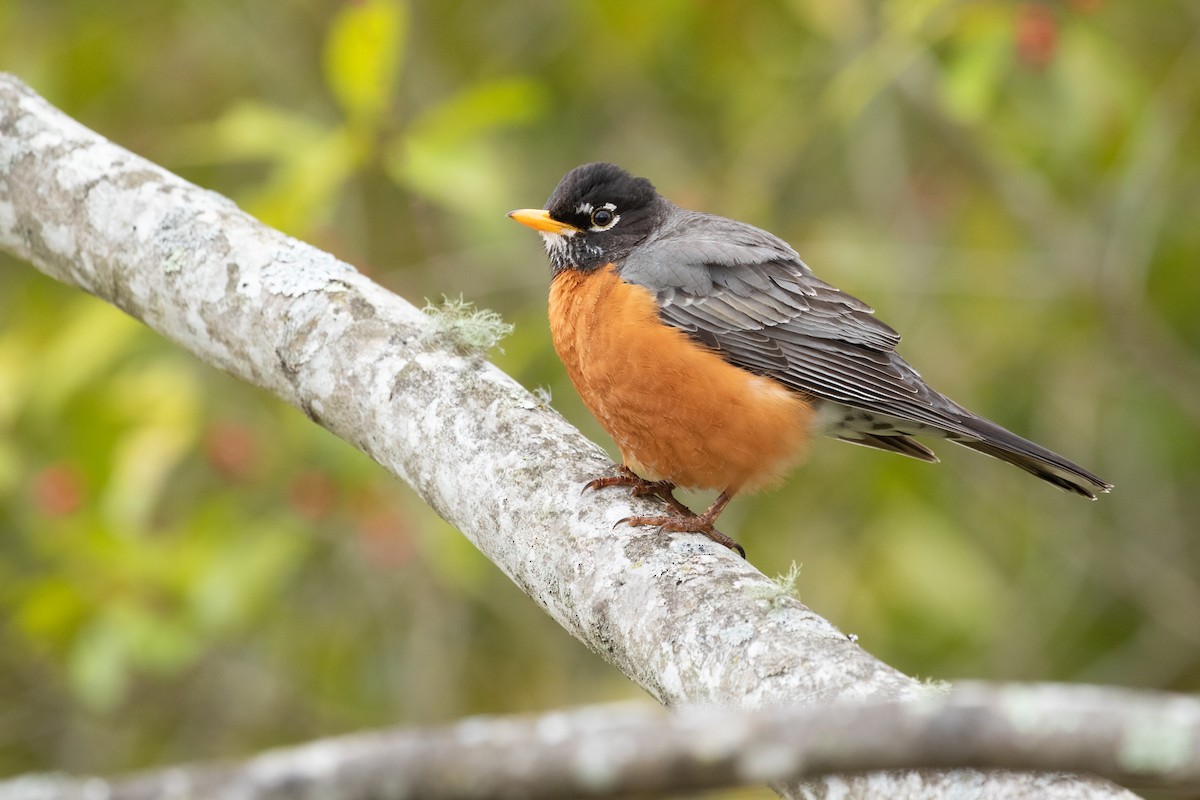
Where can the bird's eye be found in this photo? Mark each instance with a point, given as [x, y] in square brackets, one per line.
[603, 218]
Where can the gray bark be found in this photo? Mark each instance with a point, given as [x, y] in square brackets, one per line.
[618, 751]
[686, 619]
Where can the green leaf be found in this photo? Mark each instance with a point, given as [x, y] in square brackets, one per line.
[247, 131]
[93, 339]
[972, 79]
[238, 579]
[466, 178]
[162, 401]
[300, 192]
[362, 56]
[99, 665]
[50, 611]
[445, 154]
[16, 362]
[504, 102]
[937, 571]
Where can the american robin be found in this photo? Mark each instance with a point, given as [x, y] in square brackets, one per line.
[711, 353]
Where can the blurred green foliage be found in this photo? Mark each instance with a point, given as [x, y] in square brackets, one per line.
[189, 569]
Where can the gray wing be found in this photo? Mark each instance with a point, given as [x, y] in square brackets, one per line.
[747, 295]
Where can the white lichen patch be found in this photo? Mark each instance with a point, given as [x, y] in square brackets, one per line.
[292, 273]
[597, 768]
[767, 764]
[737, 635]
[553, 729]
[1024, 710]
[313, 761]
[95, 789]
[174, 261]
[183, 238]
[59, 239]
[80, 164]
[466, 328]
[720, 741]
[1152, 746]
[473, 731]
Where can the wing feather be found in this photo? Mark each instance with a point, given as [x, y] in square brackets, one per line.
[747, 294]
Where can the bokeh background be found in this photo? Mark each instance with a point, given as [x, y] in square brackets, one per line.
[189, 569]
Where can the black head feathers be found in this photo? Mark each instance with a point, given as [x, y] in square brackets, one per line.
[609, 210]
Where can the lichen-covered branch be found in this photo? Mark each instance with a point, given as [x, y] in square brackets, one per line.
[618, 751]
[686, 619]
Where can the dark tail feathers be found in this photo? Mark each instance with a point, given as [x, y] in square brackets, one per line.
[1033, 458]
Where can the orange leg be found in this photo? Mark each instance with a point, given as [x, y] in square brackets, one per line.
[683, 520]
[693, 523]
[640, 487]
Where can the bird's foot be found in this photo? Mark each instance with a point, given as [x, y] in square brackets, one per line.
[689, 523]
[640, 487]
[682, 520]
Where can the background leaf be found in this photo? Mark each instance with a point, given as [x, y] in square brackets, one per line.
[363, 55]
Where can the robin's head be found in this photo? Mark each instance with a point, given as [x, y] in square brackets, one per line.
[597, 214]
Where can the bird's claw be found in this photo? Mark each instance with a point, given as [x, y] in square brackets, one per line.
[684, 524]
[681, 520]
[639, 487]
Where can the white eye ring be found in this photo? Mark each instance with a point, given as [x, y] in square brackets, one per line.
[604, 217]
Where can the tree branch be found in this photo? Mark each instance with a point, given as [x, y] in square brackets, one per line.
[684, 618]
[615, 751]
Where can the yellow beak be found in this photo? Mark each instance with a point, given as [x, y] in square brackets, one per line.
[540, 220]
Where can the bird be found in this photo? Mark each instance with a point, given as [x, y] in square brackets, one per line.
[712, 354]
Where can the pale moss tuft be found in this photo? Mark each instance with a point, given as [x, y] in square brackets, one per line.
[1150, 745]
[467, 329]
[782, 587]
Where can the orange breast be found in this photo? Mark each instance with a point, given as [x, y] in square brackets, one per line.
[677, 410]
